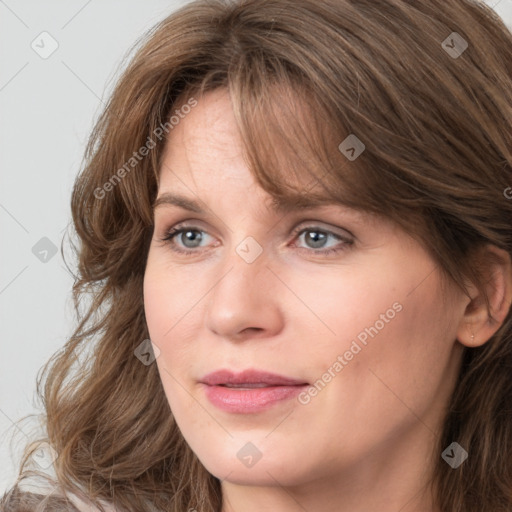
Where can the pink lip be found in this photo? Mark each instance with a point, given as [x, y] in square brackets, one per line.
[257, 399]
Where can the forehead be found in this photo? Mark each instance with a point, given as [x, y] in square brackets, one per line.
[203, 159]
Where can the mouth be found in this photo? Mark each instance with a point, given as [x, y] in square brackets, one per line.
[250, 391]
[248, 385]
[250, 378]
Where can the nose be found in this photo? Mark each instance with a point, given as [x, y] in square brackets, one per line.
[246, 302]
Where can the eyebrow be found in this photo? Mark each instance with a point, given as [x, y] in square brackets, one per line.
[277, 205]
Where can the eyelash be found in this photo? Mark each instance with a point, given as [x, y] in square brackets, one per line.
[180, 228]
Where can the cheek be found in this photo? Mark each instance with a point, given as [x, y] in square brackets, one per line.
[381, 322]
[406, 363]
[169, 309]
[344, 307]
[160, 303]
[166, 300]
[155, 305]
[419, 348]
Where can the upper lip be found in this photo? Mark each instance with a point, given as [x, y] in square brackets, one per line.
[250, 376]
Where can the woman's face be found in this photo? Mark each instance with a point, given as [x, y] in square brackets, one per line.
[363, 331]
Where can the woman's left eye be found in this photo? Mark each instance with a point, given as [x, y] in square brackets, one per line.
[318, 236]
[315, 236]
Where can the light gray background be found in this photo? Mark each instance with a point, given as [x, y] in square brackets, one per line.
[47, 108]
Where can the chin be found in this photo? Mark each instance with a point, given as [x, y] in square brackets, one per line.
[232, 463]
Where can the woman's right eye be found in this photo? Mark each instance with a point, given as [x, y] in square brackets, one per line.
[189, 231]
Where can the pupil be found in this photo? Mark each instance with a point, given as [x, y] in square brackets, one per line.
[190, 236]
[314, 235]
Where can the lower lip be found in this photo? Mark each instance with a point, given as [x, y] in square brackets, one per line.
[238, 400]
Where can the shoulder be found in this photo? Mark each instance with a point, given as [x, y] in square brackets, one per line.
[18, 499]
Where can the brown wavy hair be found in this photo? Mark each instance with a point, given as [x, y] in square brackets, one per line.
[437, 130]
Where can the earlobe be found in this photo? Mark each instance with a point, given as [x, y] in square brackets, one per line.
[479, 324]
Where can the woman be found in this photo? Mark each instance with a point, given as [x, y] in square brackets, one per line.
[239, 360]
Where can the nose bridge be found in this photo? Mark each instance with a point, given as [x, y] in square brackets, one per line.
[245, 268]
[242, 296]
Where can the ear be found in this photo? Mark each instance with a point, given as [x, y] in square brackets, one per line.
[477, 326]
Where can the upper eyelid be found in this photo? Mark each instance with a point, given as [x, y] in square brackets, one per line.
[298, 218]
[296, 229]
